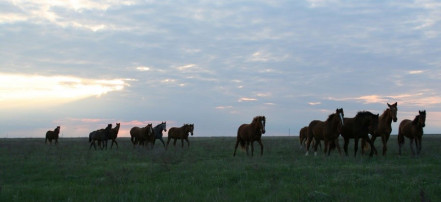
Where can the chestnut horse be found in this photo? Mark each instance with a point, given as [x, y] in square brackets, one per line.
[140, 135]
[50, 135]
[180, 133]
[101, 135]
[303, 136]
[328, 131]
[412, 130]
[358, 127]
[384, 127]
[248, 133]
[114, 135]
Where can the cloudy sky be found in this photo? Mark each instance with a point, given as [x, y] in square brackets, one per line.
[82, 64]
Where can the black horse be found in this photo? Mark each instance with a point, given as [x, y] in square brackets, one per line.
[358, 127]
[157, 131]
[101, 135]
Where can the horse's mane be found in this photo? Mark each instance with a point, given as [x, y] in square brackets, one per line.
[256, 119]
[331, 116]
[415, 121]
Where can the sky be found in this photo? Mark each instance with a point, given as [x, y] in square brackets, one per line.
[82, 64]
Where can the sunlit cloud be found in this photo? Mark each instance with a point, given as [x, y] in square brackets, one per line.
[314, 103]
[143, 68]
[20, 90]
[416, 72]
[224, 107]
[246, 99]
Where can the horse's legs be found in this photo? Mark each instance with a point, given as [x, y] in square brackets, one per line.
[174, 142]
[371, 144]
[337, 144]
[308, 143]
[384, 140]
[345, 147]
[400, 142]
[419, 145]
[252, 148]
[411, 146]
[188, 143]
[246, 147]
[261, 147]
[182, 142]
[168, 142]
[355, 146]
[316, 142]
[163, 143]
[235, 147]
[56, 141]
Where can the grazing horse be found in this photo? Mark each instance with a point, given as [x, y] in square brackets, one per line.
[114, 135]
[303, 136]
[140, 135]
[384, 127]
[358, 127]
[180, 133]
[328, 131]
[248, 133]
[101, 135]
[52, 135]
[412, 130]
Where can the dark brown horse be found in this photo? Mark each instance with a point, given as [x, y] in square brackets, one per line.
[248, 133]
[180, 133]
[384, 127]
[52, 135]
[358, 127]
[101, 136]
[328, 131]
[412, 130]
[303, 136]
[114, 135]
[142, 136]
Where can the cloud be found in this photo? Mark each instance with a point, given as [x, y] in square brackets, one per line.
[416, 72]
[18, 90]
[246, 99]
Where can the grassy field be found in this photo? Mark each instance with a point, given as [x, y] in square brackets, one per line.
[207, 171]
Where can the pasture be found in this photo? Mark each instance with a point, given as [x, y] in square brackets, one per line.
[207, 171]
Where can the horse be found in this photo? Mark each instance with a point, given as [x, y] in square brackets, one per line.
[358, 127]
[52, 135]
[384, 127]
[101, 135]
[157, 130]
[140, 135]
[114, 135]
[303, 136]
[248, 133]
[412, 130]
[328, 131]
[180, 133]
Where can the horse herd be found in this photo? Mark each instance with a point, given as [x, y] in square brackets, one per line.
[358, 127]
[138, 136]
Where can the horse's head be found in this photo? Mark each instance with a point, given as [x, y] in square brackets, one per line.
[262, 121]
[422, 118]
[393, 108]
[190, 128]
[57, 128]
[149, 130]
[341, 115]
[164, 126]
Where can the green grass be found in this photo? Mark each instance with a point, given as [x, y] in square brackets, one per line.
[207, 171]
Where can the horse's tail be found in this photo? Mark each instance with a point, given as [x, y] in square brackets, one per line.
[132, 138]
[242, 144]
